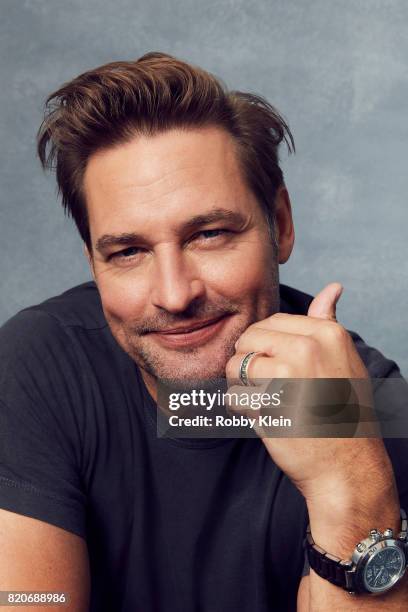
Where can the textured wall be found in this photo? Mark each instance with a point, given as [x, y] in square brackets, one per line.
[337, 70]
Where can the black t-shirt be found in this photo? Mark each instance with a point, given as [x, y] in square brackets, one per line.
[171, 524]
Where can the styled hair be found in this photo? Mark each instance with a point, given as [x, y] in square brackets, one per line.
[118, 101]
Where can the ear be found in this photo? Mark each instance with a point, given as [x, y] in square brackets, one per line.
[284, 229]
[88, 255]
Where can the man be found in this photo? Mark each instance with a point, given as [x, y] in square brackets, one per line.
[175, 187]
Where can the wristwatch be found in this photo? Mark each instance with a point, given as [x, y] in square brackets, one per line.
[377, 563]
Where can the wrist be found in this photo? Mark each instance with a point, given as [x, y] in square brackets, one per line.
[337, 523]
[376, 565]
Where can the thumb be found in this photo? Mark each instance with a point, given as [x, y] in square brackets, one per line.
[323, 305]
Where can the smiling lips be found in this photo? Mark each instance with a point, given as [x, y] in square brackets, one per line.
[193, 334]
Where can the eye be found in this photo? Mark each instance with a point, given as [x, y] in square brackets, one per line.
[126, 253]
[211, 233]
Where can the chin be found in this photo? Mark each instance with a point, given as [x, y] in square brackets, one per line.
[187, 372]
[202, 364]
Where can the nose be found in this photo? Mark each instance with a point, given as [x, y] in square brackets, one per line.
[176, 282]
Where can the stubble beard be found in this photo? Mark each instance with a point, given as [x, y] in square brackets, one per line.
[186, 365]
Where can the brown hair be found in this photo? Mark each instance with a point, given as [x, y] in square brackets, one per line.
[157, 92]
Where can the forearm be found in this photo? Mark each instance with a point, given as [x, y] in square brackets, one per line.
[337, 524]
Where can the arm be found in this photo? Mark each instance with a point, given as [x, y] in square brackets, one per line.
[348, 483]
[42, 492]
[303, 595]
[37, 556]
[321, 600]
[337, 529]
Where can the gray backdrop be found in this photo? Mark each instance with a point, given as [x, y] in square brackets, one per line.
[336, 69]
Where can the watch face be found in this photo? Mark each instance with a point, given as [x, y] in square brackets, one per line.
[384, 568]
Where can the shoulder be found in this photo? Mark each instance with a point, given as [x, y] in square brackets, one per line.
[79, 306]
[37, 343]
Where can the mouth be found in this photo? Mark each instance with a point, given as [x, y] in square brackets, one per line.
[192, 335]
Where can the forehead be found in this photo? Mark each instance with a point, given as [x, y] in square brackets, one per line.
[163, 179]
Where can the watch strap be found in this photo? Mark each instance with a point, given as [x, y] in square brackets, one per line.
[328, 566]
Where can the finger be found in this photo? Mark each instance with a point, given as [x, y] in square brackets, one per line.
[260, 368]
[272, 342]
[323, 305]
[289, 323]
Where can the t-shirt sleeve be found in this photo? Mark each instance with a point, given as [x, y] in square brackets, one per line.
[306, 566]
[40, 422]
[391, 397]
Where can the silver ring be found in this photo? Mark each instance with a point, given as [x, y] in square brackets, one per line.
[243, 368]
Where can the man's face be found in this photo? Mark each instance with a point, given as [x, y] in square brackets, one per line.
[178, 240]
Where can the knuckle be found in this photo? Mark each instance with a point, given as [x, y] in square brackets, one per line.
[269, 320]
[307, 347]
[335, 332]
[242, 340]
[269, 349]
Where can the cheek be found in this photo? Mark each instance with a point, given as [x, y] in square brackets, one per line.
[123, 298]
[242, 271]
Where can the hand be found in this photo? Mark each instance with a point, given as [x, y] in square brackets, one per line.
[313, 346]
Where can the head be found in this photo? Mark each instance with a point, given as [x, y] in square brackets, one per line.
[175, 186]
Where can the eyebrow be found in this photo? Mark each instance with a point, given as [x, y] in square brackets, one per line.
[217, 214]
